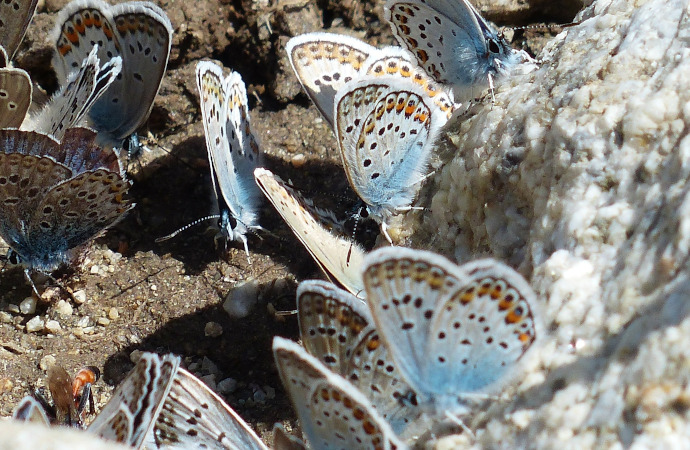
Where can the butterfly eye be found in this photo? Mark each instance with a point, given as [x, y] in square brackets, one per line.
[493, 46]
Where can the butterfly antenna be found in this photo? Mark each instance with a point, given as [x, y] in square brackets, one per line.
[546, 27]
[186, 227]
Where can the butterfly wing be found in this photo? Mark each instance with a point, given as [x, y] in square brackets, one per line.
[332, 412]
[331, 322]
[193, 416]
[16, 16]
[131, 412]
[144, 33]
[337, 329]
[235, 169]
[209, 81]
[479, 333]
[394, 61]
[79, 26]
[385, 128]
[83, 87]
[325, 62]
[338, 257]
[15, 96]
[31, 410]
[405, 287]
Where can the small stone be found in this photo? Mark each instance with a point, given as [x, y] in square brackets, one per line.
[208, 366]
[53, 326]
[28, 305]
[80, 296]
[51, 294]
[5, 317]
[227, 386]
[103, 321]
[298, 160]
[46, 362]
[63, 308]
[83, 322]
[210, 381]
[241, 298]
[113, 313]
[35, 324]
[14, 309]
[259, 395]
[154, 287]
[213, 329]
[270, 392]
[94, 269]
[78, 332]
[6, 385]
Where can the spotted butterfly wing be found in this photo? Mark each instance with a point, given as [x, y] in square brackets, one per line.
[332, 412]
[15, 16]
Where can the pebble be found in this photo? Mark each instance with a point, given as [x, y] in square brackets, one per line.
[210, 381]
[208, 366]
[227, 385]
[80, 296]
[83, 322]
[241, 298]
[47, 361]
[28, 305]
[63, 308]
[270, 392]
[53, 326]
[298, 160]
[103, 321]
[35, 324]
[113, 313]
[213, 329]
[5, 317]
[14, 309]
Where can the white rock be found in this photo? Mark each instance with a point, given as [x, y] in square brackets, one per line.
[241, 298]
[227, 386]
[28, 305]
[46, 362]
[53, 326]
[63, 308]
[578, 176]
[113, 313]
[80, 296]
[35, 324]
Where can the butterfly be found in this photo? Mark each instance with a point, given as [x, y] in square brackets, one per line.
[139, 33]
[332, 412]
[15, 18]
[325, 62]
[161, 405]
[452, 331]
[385, 128]
[337, 328]
[452, 42]
[338, 257]
[233, 152]
[56, 196]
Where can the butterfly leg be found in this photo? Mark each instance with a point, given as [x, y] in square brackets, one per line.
[384, 230]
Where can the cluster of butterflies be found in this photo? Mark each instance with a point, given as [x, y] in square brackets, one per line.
[430, 338]
[430, 334]
[62, 184]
